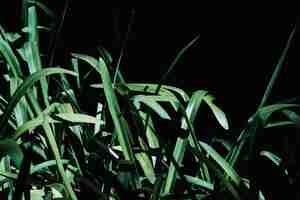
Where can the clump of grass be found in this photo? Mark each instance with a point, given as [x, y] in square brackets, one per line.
[53, 149]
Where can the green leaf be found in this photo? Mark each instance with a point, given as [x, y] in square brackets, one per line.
[265, 112]
[146, 165]
[41, 166]
[113, 105]
[277, 70]
[12, 149]
[43, 7]
[221, 162]
[151, 102]
[293, 116]
[10, 57]
[34, 59]
[219, 114]
[278, 124]
[76, 69]
[178, 154]
[199, 182]
[275, 159]
[193, 106]
[22, 90]
[77, 118]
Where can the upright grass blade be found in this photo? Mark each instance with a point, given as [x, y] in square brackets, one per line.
[34, 58]
[113, 105]
[278, 68]
[171, 67]
[123, 48]
[22, 90]
[146, 165]
[178, 154]
[76, 69]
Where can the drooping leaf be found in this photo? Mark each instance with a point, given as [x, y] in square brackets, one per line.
[219, 114]
[22, 90]
[272, 157]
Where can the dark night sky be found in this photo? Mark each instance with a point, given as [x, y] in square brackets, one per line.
[234, 56]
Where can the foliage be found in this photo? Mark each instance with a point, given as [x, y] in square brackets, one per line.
[50, 148]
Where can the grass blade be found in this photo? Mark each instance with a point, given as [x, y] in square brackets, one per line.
[77, 118]
[146, 165]
[113, 105]
[277, 70]
[22, 90]
[219, 114]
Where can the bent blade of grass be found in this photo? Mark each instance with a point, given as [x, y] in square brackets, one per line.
[151, 103]
[22, 90]
[294, 117]
[279, 124]
[113, 105]
[267, 111]
[272, 157]
[20, 109]
[219, 114]
[10, 58]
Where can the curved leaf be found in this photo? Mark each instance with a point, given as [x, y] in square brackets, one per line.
[22, 90]
[12, 149]
[219, 114]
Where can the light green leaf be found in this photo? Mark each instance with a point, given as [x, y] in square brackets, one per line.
[193, 107]
[77, 118]
[275, 159]
[22, 90]
[219, 114]
[146, 165]
[221, 162]
[151, 102]
[199, 182]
